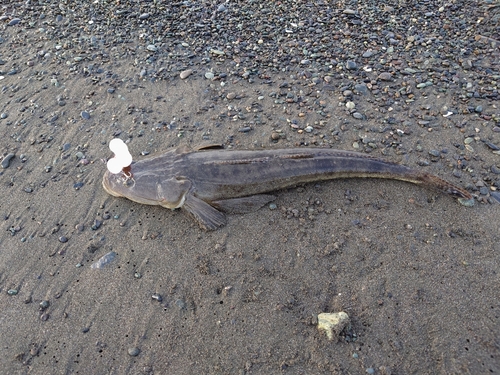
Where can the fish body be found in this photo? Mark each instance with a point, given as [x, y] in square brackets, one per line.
[208, 182]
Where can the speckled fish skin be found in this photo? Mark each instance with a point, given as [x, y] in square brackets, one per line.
[207, 181]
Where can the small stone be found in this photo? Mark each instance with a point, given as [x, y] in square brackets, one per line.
[44, 304]
[111, 90]
[3, 115]
[351, 65]
[333, 323]
[85, 115]
[157, 297]
[63, 239]
[231, 96]
[385, 76]
[275, 136]
[479, 109]
[368, 53]
[468, 140]
[358, 116]
[186, 73]
[14, 21]
[144, 16]
[209, 75]
[361, 88]
[6, 160]
[133, 352]
[350, 105]
[12, 292]
[152, 48]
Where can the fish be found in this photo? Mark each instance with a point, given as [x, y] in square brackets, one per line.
[210, 181]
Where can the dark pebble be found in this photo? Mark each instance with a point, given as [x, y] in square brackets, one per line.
[96, 225]
[3, 115]
[63, 239]
[59, 18]
[44, 304]
[44, 317]
[143, 16]
[111, 90]
[245, 129]
[496, 195]
[351, 65]
[435, 153]
[492, 146]
[495, 169]
[479, 109]
[85, 115]
[78, 185]
[85, 329]
[358, 116]
[6, 160]
[361, 88]
[483, 190]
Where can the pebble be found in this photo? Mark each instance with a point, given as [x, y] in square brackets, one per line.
[385, 76]
[14, 21]
[231, 95]
[157, 297]
[3, 115]
[333, 323]
[361, 88]
[144, 16]
[85, 115]
[185, 73]
[12, 292]
[351, 65]
[6, 160]
[133, 352]
[104, 260]
[358, 116]
[209, 75]
[63, 239]
[496, 195]
[152, 48]
[350, 105]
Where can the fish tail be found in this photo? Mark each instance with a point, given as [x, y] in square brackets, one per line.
[444, 186]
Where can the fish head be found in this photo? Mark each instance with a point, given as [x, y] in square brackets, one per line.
[134, 187]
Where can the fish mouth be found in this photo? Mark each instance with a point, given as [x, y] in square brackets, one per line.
[106, 184]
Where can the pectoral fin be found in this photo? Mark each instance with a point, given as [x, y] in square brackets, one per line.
[208, 218]
[243, 205]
